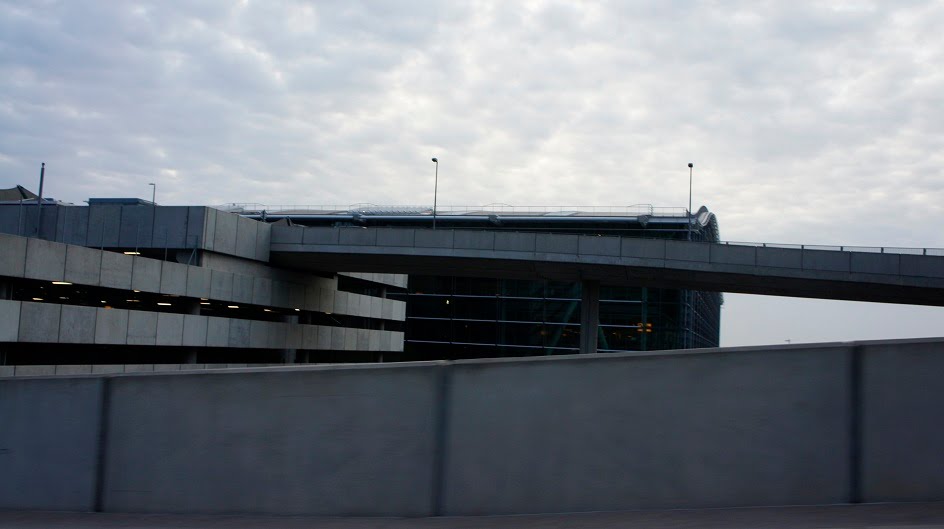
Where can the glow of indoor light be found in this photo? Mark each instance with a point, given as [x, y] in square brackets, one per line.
[204, 299]
[267, 310]
[136, 291]
[37, 299]
[232, 306]
[131, 300]
[204, 302]
[447, 302]
[298, 310]
[132, 253]
[103, 301]
[164, 304]
[61, 283]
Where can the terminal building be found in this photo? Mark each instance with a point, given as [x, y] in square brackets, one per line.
[125, 282]
[455, 317]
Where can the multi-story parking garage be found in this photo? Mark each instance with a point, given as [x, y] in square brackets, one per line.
[195, 285]
[181, 285]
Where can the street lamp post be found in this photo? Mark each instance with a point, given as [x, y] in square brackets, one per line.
[39, 201]
[690, 167]
[435, 190]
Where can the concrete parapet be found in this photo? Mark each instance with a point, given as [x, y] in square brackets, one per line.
[9, 320]
[142, 327]
[666, 431]
[174, 278]
[77, 324]
[643, 248]
[111, 326]
[198, 282]
[474, 240]
[45, 260]
[779, 425]
[556, 243]
[242, 288]
[826, 260]
[195, 331]
[217, 332]
[146, 274]
[733, 254]
[323, 442]
[83, 265]
[247, 231]
[116, 270]
[687, 251]
[13, 256]
[39, 322]
[170, 329]
[224, 234]
[902, 432]
[49, 443]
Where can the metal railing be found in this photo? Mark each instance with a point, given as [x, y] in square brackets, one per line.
[631, 210]
[895, 250]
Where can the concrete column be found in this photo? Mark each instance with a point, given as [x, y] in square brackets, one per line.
[589, 316]
[290, 356]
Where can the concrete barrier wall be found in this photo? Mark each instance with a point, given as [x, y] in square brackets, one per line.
[49, 443]
[767, 427]
[825, 423]
[902, 410]
[331, 441]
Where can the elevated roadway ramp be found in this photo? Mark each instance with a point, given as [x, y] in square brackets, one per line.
[765, 270]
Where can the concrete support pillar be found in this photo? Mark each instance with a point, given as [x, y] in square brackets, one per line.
[589, 316]
[290, 356]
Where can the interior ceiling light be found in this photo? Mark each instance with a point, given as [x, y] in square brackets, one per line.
[136, 291]
[232, 306]
[61, 283]
[132, 253]
[103, 301]
[163, 304]
[298, 310]
[267, 310]
[204, 302]
[37, 299]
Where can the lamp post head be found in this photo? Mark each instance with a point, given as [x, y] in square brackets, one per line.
[690, 165]
[436, 160]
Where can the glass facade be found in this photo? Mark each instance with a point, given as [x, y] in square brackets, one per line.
[460, 317]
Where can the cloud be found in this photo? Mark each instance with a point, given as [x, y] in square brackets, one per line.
[807, 122]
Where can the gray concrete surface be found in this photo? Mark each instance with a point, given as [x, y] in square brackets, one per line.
[766, 427]
[331, 441]
[49, 434]
[791, 424]
[884, 516]
[902, 428]
[798, 272]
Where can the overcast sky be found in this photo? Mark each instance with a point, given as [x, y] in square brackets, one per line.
[808, 122]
